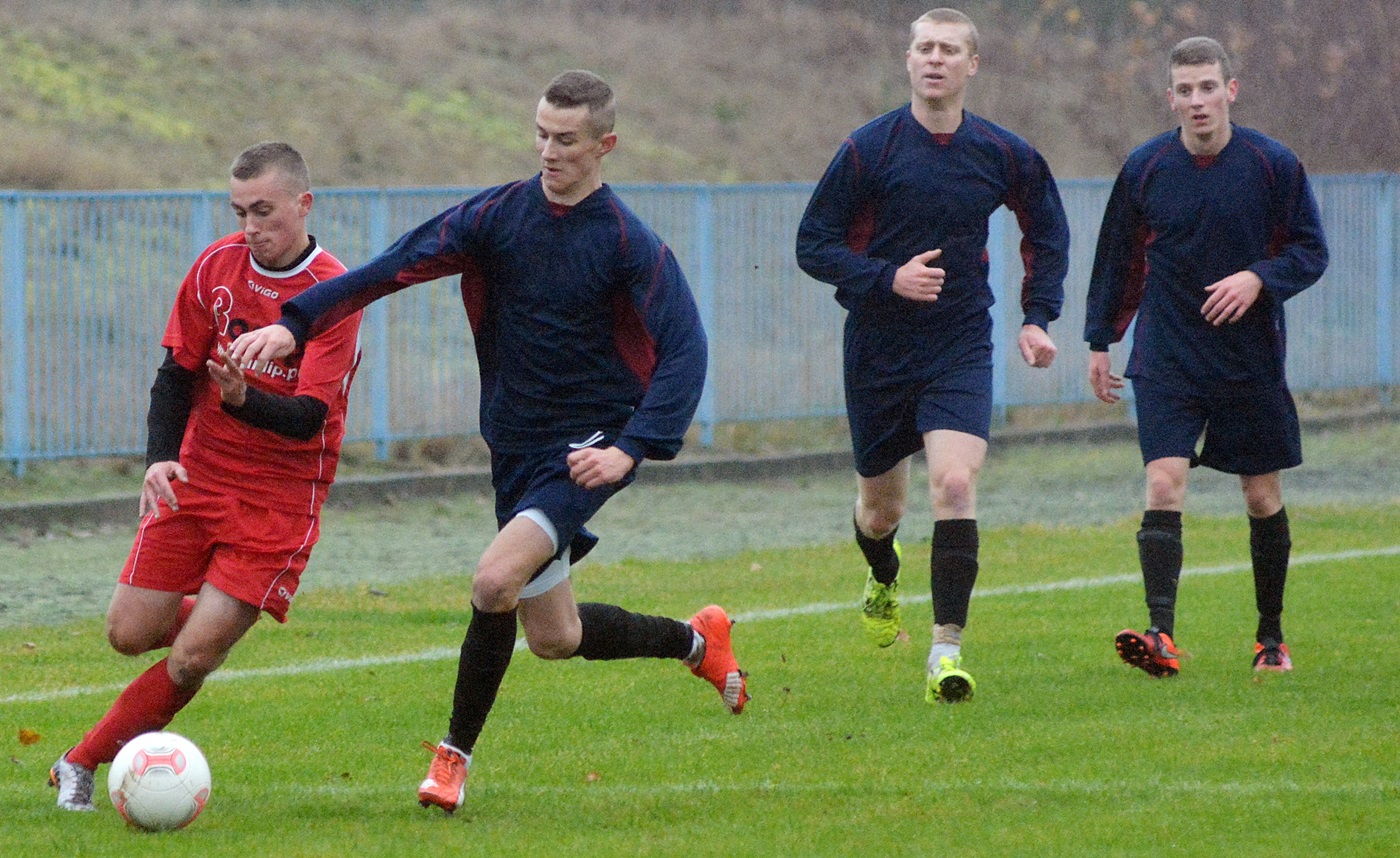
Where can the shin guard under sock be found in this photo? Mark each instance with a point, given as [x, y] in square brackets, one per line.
[1160, 554]
[879, 554]
[486, 652]
[1269, 544]
[149, 703]
[610, 632]
[953, 569]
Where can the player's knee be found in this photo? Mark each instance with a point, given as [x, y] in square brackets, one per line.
[954, 488]
[878, 521]
[188, 668]
[1262, 504]
[493, 590]
[1164, 490]
[551, 647]
[129, 639]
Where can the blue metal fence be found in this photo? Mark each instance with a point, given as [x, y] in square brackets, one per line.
[87, 279]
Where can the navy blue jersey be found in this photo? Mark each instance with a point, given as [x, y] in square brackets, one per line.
[582, 318]
[895, 190]
[1175, 224]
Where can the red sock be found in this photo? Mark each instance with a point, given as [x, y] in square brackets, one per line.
[186, 606]
[148, 703]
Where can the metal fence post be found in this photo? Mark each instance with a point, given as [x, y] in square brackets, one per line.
[377, 321]
[14, 339]
[704, 288]
[1002, 311]
[201, 222]
[1387, 233]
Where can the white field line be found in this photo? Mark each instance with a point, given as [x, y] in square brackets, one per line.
[1375, 789]
[442, 653]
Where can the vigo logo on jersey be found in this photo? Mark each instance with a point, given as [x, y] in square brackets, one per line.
[263, 290]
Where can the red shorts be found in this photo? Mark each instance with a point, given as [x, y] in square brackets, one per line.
[253, 554]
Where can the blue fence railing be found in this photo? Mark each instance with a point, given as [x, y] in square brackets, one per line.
[86, 282]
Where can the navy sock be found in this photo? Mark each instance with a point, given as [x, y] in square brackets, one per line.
[1269, 544]
[486, 652]
[609, 632]
[879, 553]
[1160, 554]
[953, 569]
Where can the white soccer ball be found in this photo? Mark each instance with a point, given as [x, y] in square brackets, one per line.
[159, 781]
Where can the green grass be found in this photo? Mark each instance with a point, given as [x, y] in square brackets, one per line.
[1064, 751]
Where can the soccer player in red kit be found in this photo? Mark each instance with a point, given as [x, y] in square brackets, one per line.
[238, 461]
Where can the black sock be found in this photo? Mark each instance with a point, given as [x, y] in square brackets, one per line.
[953, 569]
[1160, 553]
[1269, 543]
[879, 553]
[486, 653]
[609, 632]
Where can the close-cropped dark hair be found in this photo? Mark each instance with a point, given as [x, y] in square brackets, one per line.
[580, 88]
[272, 155]
[1201, 51]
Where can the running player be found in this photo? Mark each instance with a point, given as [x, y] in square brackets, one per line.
[592, 358]
[238, 461]
[899, 226]
[1209, 229]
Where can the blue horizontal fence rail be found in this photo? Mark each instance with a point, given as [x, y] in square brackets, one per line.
[87, 280]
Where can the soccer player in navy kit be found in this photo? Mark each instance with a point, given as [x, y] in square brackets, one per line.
[1209, 229]
[592, 358]
[898, 224]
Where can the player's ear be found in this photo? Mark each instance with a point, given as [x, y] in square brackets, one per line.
[607, 142]
[304, 201]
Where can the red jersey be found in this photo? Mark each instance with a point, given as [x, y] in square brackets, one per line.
[225, 293]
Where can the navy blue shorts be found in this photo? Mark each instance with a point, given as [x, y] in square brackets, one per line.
[539, 479]
[1248, 433]
[888, 423]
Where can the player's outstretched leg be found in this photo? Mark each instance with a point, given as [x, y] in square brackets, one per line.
[1153, 651]
[719, 667]
[446, 783]
[74, 784]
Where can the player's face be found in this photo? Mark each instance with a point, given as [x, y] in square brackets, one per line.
[1200, 97]
[940, 60]
[571, 157]
[272, 217]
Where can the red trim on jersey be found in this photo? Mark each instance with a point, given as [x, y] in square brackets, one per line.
[1135, 282]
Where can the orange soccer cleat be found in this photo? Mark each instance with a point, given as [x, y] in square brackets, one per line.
[446, 783]
[1152, 651]
[719, 667]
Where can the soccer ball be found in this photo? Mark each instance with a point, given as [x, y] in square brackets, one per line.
[159, 781]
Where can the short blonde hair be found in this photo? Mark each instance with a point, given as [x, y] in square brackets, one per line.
[944, 15]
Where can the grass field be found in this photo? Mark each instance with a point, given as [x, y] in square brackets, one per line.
[312, 729]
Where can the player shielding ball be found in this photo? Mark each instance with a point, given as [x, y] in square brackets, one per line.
[239, 461]
[1209, 228]
[898, 224]
[592, 358]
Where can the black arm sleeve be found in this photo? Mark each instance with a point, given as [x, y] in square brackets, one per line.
[171, 395]
[298, 417]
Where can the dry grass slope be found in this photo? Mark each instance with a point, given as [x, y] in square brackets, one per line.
[161, 93]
